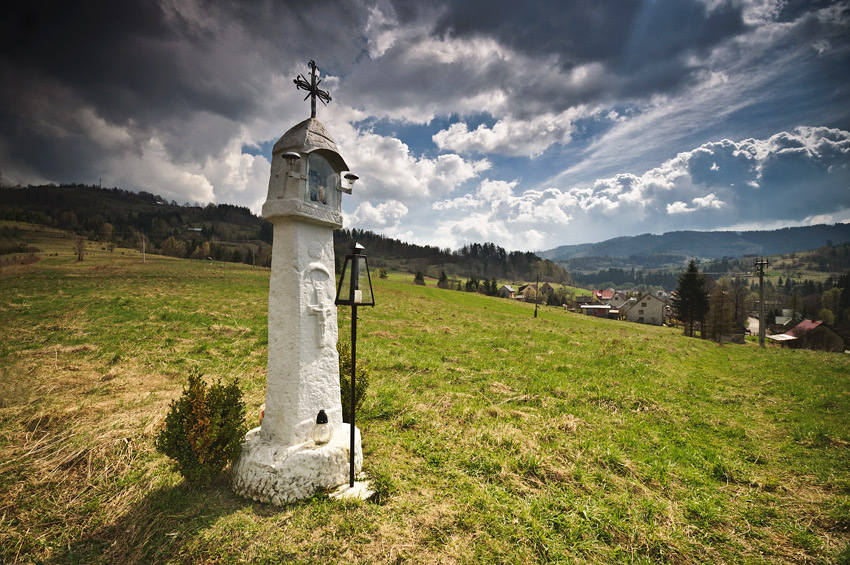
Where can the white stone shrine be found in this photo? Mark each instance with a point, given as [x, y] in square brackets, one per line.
[280, 462]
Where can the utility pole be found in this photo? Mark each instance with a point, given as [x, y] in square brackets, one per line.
[536, 295]
[760, 264]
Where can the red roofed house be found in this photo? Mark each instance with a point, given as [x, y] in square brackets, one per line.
[603, 295]
[811, 334]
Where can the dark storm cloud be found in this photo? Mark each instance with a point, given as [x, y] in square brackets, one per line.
[790, 10]
[647, 43]
[151, 67]
[591, 31]
[116, 55]
[132, 55]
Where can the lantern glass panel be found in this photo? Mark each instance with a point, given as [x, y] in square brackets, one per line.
[362, 286]
[355, 284]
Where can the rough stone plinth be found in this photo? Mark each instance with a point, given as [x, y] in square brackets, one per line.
[271, 473]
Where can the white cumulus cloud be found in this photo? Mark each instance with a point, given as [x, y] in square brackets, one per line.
[798, 175]
[384, 215]
[509, 136]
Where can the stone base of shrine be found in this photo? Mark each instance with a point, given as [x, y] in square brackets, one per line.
[278, 474]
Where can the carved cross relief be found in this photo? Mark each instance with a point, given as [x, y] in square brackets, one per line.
[324, 305]
[322, 310]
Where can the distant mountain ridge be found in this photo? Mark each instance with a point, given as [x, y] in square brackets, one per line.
[707, 245]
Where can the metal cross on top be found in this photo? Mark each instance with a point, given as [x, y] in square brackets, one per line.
[312, 88]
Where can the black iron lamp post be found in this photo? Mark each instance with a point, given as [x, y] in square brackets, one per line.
[358, 292]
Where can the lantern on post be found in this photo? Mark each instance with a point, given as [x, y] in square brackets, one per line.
[355, 289]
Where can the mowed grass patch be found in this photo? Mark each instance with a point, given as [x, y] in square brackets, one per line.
[491, 436]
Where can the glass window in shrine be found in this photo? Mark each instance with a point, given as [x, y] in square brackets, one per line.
[322, 181]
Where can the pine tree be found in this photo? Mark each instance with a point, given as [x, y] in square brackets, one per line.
[691, 305]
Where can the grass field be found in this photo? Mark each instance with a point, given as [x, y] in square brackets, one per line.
[492, 437]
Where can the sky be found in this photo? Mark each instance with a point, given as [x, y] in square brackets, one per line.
[526, 124]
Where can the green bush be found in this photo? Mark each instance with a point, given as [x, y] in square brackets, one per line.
[343, 347]
[203, 429]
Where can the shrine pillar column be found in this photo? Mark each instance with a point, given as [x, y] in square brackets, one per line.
[280, 461]
[303, 366]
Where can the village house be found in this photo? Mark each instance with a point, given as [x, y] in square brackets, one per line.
[545, 290]
[620, 302]
[596, 310]
[507, 291]
[604, 295]
[646, 309]
[784, 318]
[812, 334]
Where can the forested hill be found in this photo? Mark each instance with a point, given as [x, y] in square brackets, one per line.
[233, 233]
[478, 260]
[84, 209]
[681, 245]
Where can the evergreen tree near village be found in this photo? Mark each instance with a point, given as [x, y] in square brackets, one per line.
[691, 303]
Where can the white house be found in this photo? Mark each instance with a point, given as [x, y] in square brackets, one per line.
[647, 309]
[507, 291]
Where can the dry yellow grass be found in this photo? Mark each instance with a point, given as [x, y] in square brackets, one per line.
[507, 439]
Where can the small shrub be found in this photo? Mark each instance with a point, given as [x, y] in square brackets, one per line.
[203, 429]
[343, 347]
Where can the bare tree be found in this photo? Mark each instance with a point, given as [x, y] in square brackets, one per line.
[80, 248]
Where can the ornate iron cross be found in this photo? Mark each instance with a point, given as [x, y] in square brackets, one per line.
[312, 88]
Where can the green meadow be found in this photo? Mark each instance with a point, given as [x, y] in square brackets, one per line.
[490, 436]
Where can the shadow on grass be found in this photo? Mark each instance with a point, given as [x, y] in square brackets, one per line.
[157, 528]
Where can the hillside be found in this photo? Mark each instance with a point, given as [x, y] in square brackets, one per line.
[650, 251]
[234, 234]
[492, 436]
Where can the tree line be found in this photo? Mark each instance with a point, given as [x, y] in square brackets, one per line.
[829, 258]
[472, 261]
[224, 232]
[626, 279]
[720, 307]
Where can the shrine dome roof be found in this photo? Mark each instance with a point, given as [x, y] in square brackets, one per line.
[308, 136]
